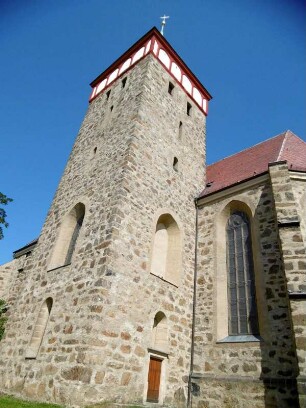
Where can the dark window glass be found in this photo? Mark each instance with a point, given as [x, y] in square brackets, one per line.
[240, 270]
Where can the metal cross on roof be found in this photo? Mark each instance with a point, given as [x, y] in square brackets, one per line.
[163, 23]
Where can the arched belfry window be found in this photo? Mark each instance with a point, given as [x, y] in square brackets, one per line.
[160, 332]
[167, 252]
[240, 276]
[68, 236]
[39, 328]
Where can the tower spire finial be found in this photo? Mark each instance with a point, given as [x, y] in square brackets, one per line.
[163, 23]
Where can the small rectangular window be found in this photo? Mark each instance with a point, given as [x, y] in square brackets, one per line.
[123, 82]
[170, 88]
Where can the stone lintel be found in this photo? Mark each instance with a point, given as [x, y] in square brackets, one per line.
[158, 352]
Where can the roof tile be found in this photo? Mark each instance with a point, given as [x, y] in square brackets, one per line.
[254, 161]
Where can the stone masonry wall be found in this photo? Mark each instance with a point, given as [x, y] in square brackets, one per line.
[290, 220]
[96, 342]
[299, 191]
[264, 370]
[6, 277]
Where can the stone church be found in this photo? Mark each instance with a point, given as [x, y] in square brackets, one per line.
[158, 281]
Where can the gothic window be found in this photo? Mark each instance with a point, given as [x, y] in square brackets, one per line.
[74, 237]
[160, 332]
[68, 236]
[39, 329]
[166, 255]
[240, 277]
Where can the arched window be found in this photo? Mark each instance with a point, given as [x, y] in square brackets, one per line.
[40, 328]
[160, 332]
[166, 255]
[67, 238]
[240, 276]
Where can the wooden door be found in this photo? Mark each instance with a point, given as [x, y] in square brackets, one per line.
[154, 379]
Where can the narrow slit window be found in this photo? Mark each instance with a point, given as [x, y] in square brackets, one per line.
[175, 164]
[180, 130]
[170, 88]
[189, 108]
[108, 94]
[95, 150]
[123, 82]
[111, 108]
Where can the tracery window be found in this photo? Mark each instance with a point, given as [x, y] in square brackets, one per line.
[240, 276]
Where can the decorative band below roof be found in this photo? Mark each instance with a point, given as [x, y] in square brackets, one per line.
[163, 52]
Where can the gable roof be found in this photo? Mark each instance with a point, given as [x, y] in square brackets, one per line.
[254, 161]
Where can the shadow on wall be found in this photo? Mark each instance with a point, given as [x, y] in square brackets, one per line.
[278, 352]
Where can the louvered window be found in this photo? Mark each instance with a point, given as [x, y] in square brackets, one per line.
[240, 270]
[74, 238]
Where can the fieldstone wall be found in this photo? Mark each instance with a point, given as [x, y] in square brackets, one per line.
[264, 371]
[6, 277]
[96, 344]
[299, 190]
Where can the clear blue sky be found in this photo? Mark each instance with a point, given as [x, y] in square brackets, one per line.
[249, 54]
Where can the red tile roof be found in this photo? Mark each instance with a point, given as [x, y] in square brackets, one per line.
[254, 161]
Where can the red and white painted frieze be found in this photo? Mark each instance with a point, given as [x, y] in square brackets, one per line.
[157, 46]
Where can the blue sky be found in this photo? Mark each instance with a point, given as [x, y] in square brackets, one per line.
[249, 54]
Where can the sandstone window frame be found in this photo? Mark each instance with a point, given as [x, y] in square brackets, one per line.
[68, 237]
[160, 333]
[39, 330]
[221, 274]
[166, 251]
[160, 352]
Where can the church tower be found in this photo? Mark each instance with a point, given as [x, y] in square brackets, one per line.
[105, 308]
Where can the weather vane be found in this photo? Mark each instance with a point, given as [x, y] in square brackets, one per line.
[163, 23]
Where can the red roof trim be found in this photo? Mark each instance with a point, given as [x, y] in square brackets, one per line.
[152, 34]
[123, 57]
